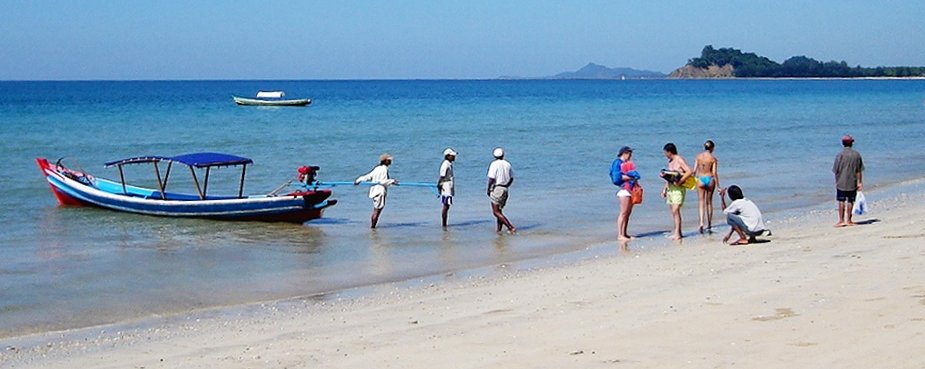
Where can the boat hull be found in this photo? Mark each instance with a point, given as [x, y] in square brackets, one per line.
[73, 188]
[274, 102]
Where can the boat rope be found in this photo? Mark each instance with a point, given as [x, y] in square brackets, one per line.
[428, 185]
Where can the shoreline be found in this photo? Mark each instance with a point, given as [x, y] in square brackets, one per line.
[689, 281]
[589, 248]
[574, 252]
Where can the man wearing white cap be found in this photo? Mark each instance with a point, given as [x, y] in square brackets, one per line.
[380, 176]
[445, 182]
[500, 177]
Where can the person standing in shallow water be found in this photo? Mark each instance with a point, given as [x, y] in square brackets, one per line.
[674, 193]
[624, 175]
[378, 192]
[707, 181]
[445, 183]
[849, 179]
[500, 177]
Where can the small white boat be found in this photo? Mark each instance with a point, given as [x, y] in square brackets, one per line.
[271, 98]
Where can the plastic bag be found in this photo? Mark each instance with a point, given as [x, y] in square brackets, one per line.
[860, 204]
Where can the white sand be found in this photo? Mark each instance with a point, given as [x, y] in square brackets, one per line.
[815, 297]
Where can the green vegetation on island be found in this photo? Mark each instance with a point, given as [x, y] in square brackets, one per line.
[730, 62]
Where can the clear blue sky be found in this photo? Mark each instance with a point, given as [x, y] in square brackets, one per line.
[165, 39]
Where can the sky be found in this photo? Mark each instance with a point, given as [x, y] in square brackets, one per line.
[428, 39]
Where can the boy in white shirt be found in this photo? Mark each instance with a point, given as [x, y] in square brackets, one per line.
[742, 215]
[378, 192]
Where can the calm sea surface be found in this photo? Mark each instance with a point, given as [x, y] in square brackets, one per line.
[72, 267]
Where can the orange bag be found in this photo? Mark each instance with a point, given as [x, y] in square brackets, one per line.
[636, 194]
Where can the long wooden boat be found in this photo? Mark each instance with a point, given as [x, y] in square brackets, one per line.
[77, 188]
[270, 98]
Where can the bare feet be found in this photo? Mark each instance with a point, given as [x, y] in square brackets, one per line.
[624, 237]
[701, 229]
[512, 231]
[850, 224]
[739, 242]
[841, 224]
[675, 237]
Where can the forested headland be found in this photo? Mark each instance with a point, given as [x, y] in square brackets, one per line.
[730, 63]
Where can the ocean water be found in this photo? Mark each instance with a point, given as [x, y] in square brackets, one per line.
[63, 268]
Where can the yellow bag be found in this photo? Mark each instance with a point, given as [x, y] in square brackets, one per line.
[690, 183]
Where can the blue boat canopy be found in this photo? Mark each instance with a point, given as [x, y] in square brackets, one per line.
[198, 160]
[211, 159]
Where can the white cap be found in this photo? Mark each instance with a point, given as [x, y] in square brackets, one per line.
[499, 152]
[449, 151]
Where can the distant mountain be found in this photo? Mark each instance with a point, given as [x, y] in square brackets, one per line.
[596, 71]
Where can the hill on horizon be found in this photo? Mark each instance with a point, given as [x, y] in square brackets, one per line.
[597, 71]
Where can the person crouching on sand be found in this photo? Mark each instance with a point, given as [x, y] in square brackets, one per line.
[742, 215]
[445, 182]
[500, 177]
[378, 192]
[624, 175]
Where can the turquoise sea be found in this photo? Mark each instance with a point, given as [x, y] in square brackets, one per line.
[64, 268]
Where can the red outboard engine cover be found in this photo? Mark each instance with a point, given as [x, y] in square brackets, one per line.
[307, 174]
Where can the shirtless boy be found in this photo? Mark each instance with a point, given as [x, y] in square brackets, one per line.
[673, 191]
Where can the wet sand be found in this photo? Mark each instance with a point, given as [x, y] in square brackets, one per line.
[814, 296]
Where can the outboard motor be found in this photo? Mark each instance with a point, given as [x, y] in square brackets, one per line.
[307, 174]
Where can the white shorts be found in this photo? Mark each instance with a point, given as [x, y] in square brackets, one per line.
[498, 196]
[624, 193]
[378, 201]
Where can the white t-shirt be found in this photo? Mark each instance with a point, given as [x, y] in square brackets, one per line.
[446, 173]
[500, 170]
[749, 213]
[380, 175]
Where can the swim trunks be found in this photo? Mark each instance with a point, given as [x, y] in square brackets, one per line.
[675, 195]
[842, 196]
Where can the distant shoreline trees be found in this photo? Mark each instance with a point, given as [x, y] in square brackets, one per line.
[752, 65]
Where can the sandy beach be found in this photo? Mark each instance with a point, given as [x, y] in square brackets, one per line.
[813, 297]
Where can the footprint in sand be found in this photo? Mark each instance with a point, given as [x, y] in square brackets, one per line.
[781, 313]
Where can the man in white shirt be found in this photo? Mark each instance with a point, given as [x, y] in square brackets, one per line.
[380, 176]
[500, 178]
[445, 182]
[742, 215]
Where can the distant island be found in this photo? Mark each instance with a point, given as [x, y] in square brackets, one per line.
[596, 71]
[733, 63]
